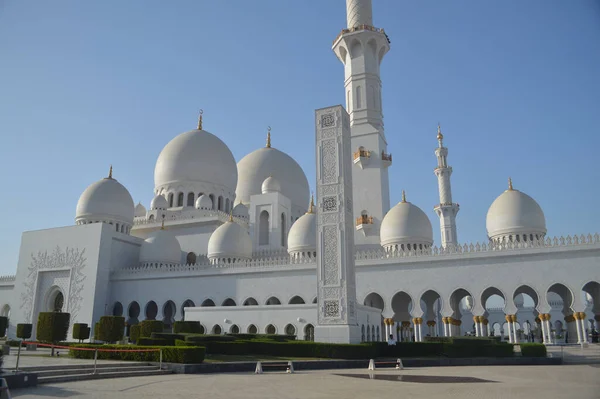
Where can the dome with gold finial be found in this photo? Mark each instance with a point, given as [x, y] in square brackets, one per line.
[161, 247]
[140, 210]
[200, 162]
[266, 162]
[406, 227]
[229, 243]
[302, 237]
[106, 201]
[440, 136]
[515, 216]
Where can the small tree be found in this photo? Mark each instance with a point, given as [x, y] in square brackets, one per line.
[24, 331]
[81, 331]
[134, 333]
[111, 328]
[52, 327]
[3, 325]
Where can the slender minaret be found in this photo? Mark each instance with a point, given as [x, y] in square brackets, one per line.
[361, 48]
[446, 209]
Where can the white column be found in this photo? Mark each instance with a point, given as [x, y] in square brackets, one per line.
[578, 325]
[582, 323]
[549, 330]
[509, 325]
[477, 327]
[516, 335]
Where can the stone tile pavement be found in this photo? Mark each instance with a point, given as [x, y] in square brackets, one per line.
[530, 382]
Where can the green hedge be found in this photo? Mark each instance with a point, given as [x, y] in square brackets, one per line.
[144, 341]
[24, 330]
[169, 337]
[13, 343]
[478, 350]
[533, 350]
[147, 327]
[3, 325]
[208, 338]
[111, 328]
[134, 333]
[272, 337]
[189, 327]
[52, 327]
[81, 331]
[171, 354]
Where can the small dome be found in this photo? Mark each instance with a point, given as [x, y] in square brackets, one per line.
[159, 203]
[519, 300]
[302, 236]
[230, 241]
[406, 223]
[255, 167]
[161, 247]
[204, 202]
[241, 211]
[106, 200]
[140, 210]
[270, 185]
[515, 213]
[196, 156]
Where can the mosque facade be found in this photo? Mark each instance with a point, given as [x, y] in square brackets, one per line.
[242, 246]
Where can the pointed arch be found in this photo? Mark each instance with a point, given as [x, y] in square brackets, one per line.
[228, 302]
[263, 228]
[273, 301]
[250, 302]
[296, 300]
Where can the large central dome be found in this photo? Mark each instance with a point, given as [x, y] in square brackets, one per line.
[266, 162]
[196, 156]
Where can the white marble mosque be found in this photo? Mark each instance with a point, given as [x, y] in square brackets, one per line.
[242, 247]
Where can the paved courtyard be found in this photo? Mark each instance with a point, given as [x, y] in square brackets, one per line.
[572, 381]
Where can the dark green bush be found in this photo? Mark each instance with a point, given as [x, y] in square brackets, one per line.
[437, 339]
[189, 327]
[97, 331]
[52, 327]
[24, 330]
[143, 341]
[171, 354]
[472, 340]
[13, 343]
[478, 350]
[134, 333]
[81, 331]
[3, 325]
[533, 350]
[208, 338]
[168, 337]
[147, 327]
[111, 328]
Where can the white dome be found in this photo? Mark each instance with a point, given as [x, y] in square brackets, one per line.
[270, 185]
[519, 300]
[140, 210]
[159, 203]
[204, 202]
[302, 236]
[255, 167]
[105, 200]
[241, 211]
[515, 213]
[161, 247]
[196, 156]
[230, 240]
[406, 223]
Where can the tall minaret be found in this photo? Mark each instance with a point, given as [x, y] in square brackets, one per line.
[361, 48]
[446, 209]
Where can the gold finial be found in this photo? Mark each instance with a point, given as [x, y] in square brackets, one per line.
[200, 120]
[403, 196]
[510, 187]
[231, 216]
[162, 226]
[311, 207]
[440, 136]
[110, 172]
[269, 137]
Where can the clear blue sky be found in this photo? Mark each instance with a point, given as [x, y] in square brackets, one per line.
[515, 85]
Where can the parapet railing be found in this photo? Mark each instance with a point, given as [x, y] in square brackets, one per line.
[8, 279]
[189, 214]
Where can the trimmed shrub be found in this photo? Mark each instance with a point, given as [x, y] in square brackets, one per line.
[473, 341]
[111, 328]
[81, 331]
[134, 333]
[533, 350]
[97, 331]
[24, 330]
[171, 354]
[189, 327]
[13, 343]
[208, 338]
[3, 325]
[147, 327]
[479, 350]
[52, 327]
[168, 337]
[144, 341]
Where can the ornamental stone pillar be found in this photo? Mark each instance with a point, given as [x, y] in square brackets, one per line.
[509, 325]
[476, 320]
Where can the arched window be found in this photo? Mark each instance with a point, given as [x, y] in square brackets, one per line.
[263, 228]
[271, 329]
[227, 205]
[234, 329]
[217, 329]
[170, 200]
[283, 230]
[180, 199]
[151, 217]
[190, 199]
[190, 258]
[220, 203]
[229, 302]
[59, 301]
[212, 200]
[252, 329]
[309, 332]
[118, 309]
[273, 301]
[151, 310]
[290, 330]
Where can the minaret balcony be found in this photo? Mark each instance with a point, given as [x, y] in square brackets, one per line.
[386, 159]
[364, 223]
[361, 157]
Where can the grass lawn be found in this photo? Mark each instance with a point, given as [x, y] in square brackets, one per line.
[252, 358]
